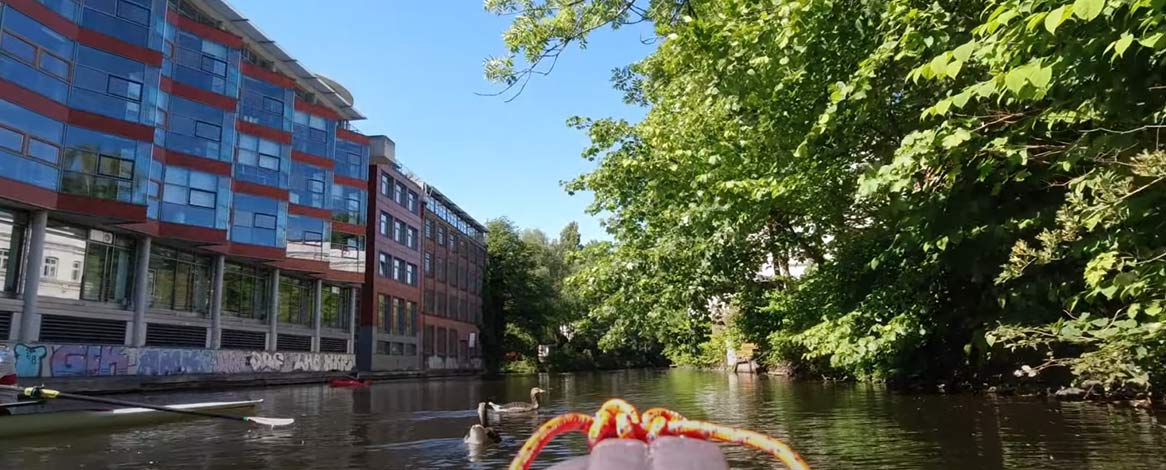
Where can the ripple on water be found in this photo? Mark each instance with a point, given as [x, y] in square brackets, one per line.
[420, 424]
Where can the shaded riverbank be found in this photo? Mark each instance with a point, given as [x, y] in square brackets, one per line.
[420, 423]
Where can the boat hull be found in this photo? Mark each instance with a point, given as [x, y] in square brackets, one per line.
[82, 420]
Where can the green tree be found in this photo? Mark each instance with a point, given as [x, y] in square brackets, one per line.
[973, 180]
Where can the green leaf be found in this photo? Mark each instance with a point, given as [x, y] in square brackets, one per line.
[1153, 41]
[1088, 9]
[939, 65]
[964, 52]
[953, 140]
[1123, 43]
[961, 99]
[1058, 16]
[1016, 79]
[1040, 77]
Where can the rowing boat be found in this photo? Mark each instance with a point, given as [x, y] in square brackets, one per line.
[73, 420]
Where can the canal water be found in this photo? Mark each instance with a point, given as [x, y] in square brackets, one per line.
[420, 424]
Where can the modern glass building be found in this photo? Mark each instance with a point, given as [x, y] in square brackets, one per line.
[170, 177]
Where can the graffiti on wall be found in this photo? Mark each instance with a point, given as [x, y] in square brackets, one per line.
[70, 360]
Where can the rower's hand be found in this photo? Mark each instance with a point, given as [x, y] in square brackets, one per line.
[672, 453]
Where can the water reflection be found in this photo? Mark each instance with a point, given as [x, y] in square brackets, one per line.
[420, 424]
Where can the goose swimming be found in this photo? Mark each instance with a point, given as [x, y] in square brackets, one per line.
[520, 407]
[482, 433]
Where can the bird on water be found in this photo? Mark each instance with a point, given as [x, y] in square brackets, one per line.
[520, 407]
[482, 433]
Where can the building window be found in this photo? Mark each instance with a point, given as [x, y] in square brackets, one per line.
[192, 198]
[386, 184]
[246, 292]
[266, 104]
[429, 228]
[383, 312]
[351, 159]
[203, 63]
[312, 134]
[399, 193]
[440, 269]
[398, 270]
[399, 232]
[385, 220]
[427, 301]
[40, 57]
[411, 274]
[259, 221]
[259, 161]
[347, 252]
[411, 202]
[335, 307]
[297, 301]
[441, 235]
[347, 204]
[411, 237]
[309, 185]
[76, 274]
[441, 342]
[49, 271]
[100, 165]
[427, 264]
[179, 280]
[123, 19]
[453, 243]
[383, 264]
[197, 129]
[427, 340]
[306, 236]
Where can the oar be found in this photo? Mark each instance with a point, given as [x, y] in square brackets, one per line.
[43, 393]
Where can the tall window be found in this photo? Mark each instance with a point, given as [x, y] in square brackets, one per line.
[399, 231]
[386, 184]
[429, 228]
[411, 237]
[383, 223]
[179, 280]
[246, 292]
[411, 274]
[351, 159]
[398, 270]
[427, 263]
[440, 269]
[335, 307]
[198, 129]
[348, 204]
[383, 264]
[411, 202]
[49, 271]
[399, 193]
[441, 235]
[297, 300]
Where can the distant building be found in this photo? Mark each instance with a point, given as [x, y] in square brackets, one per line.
[454, 266]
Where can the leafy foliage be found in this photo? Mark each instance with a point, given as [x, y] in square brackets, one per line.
[970, 179]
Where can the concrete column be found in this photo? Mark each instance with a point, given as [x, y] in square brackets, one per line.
[352, 313]
[317, 313]
[141, 292]
[33, 264]
[220, 267]
[273, 317]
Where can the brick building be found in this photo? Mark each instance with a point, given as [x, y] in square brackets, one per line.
[453, 262]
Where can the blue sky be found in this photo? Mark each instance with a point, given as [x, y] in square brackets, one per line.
[414, 67]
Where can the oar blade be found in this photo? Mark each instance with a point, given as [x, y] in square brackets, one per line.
[269, 421]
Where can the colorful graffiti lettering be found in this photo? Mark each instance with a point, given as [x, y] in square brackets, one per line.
[91, 361]
[28, 359]
[67, 360]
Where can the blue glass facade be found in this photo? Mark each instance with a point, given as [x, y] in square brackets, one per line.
[258, 220]
[112, 160]
[266, 104]
[201, 63]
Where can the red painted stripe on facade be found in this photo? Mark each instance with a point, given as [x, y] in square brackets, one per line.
[316, 109]
[101, 207]
[347, 228]
[301, 265]
[351, 182]
[97, 122]
[54, 21]
[10, 91]
[309, 211]
[275, 78]
[252, 251]
[265, 132]
[344, 276]
[116, 46]
[246, 187]
[223, 102]
[312, 159]
[197, 163]
[26, 193]
[353, 136]
[191, 233]
[45, 16]
[204, 31]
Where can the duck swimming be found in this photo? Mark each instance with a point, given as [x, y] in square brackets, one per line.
[482, 433]
[520, 407]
